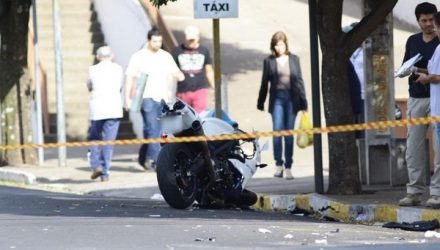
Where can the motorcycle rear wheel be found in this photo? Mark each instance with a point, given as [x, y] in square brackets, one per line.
[176, 184]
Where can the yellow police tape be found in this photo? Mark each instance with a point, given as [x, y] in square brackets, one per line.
[330, 129]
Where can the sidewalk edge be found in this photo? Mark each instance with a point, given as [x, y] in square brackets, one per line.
[350, 213]
[18, 177]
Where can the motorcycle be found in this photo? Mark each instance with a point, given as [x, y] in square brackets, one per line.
[213, 173]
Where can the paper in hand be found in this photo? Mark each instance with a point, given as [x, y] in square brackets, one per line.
[406, 66]
[136, 102]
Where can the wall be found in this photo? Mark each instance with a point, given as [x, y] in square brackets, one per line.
[125, 26]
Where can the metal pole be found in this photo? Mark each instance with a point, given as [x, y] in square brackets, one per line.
[40, 139]
[224, 95]
[316, 97]
[217, 70]
[61, 132]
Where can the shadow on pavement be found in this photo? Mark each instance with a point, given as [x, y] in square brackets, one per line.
[24, 202]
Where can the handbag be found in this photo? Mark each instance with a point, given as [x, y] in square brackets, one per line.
[304, 140]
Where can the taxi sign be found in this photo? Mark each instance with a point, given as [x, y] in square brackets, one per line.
[215, 8]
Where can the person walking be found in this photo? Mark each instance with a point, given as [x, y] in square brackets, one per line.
[195, 62]
[418, 105]
[162, 74]
[104, 82]
[286, 97]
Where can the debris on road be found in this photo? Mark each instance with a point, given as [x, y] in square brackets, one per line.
[264, 231]
[288, 236]
[157, 197]
[323, 241]
[431, 234]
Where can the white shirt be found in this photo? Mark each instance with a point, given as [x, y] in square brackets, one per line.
[434, 68]
[160, 68]
[357, 59]
[105, 79]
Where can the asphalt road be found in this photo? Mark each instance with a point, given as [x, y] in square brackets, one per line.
[31, 219]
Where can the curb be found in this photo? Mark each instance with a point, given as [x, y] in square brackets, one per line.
[17, 177]
[345, 212]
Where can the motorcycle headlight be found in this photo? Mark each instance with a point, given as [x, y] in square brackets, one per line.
[171, 124]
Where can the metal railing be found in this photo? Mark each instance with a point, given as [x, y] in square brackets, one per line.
[43, 79]
[169, 41]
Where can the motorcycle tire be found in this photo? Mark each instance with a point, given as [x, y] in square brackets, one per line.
[177, 187]
[247, 198]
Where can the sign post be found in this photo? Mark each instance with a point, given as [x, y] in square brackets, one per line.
[216, 9]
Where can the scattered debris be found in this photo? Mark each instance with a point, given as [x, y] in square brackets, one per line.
[288, 236]
[378, 224]
[211, 239]
[328, 218]
[323, 241]
[418, 241]
[361, 217]
[431, 234]
[157, 197]
[300, 212]
[326, 208]
[264, 231]
[335, 231]
[420, 226]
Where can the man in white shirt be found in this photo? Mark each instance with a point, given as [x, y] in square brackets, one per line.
[432, 77]
[104, 83]
[162, 76]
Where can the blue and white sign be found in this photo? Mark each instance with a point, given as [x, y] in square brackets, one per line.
[215, 8]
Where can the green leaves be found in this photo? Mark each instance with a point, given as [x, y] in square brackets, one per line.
[159, 3]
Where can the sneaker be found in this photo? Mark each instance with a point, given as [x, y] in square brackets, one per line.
[149, 164]
[410, 200]
[433, 201]
[279, 172]
[288, 174]
[104, 178]
[97, 173]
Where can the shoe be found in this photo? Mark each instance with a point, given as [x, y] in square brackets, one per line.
[288, 174]
[104, 178]
[433, 201]
[279, 172]
[410, 200]
[97, 173]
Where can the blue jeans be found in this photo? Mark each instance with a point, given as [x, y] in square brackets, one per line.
[150, 111]
[283, 118]
[101, 156]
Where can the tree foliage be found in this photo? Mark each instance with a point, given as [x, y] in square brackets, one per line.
[159, 3]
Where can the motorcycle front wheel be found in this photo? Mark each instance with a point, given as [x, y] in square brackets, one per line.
[177, 185]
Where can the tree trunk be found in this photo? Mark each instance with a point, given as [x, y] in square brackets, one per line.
[15, 83]
[343, 156]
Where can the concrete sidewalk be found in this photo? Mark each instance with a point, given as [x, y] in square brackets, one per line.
[127, 179]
